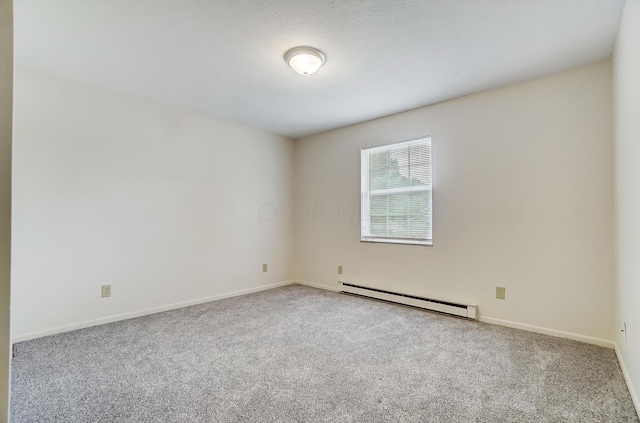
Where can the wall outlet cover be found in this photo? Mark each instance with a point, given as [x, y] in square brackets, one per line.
[106, 291]
[340, 270]
[500, 292]
[264, 268]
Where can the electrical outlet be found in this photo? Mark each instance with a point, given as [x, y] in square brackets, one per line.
[106, 291]
[340, 270]
[624, 330]
[500, 292]
[264, 268]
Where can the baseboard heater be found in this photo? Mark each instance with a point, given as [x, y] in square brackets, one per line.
[448, 307]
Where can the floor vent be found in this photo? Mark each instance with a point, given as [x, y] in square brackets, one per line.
[448, 307]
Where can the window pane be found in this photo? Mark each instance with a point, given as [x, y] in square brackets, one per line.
[379, 226]
[379, 172]
[398, 227]
[405, 215]
[420, 163]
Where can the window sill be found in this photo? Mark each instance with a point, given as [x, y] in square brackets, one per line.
[398, 241]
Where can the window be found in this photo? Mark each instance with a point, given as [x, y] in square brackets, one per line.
[396, 193]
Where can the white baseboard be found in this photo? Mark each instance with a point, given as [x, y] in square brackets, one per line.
[145, 312]
[317, 285]
[139, 313]
[530, 328]
[545, 331]
[627, 378]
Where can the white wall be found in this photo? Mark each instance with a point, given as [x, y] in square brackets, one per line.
[6, 86]
[627, 161]
[162, 204]
[523, 198]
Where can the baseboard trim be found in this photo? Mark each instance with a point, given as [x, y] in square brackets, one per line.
[552, 332]
[139, 313]
[317, 285]
[491, 320]
[627, 378]
[159, 309]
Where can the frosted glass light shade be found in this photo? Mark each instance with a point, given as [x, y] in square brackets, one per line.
[305, 60]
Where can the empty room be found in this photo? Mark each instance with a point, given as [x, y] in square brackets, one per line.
[311, 210]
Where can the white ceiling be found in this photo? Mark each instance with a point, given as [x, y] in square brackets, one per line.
[224, 58]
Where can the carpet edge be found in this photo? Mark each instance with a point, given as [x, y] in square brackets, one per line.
[547, 331]
[144, 312]
[627, 379]
[515, 325]
[317, 285]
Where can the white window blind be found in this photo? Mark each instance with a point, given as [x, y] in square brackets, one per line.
[396, 193]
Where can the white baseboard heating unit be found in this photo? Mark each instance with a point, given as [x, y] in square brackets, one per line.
[457, 309]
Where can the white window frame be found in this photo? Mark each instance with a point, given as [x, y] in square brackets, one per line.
[366, 193]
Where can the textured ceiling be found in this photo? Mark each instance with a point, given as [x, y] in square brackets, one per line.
[224, 58]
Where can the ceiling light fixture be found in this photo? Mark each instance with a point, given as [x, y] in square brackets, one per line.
[305, 60]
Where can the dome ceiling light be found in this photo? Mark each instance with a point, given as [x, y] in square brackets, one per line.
[305, 60]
